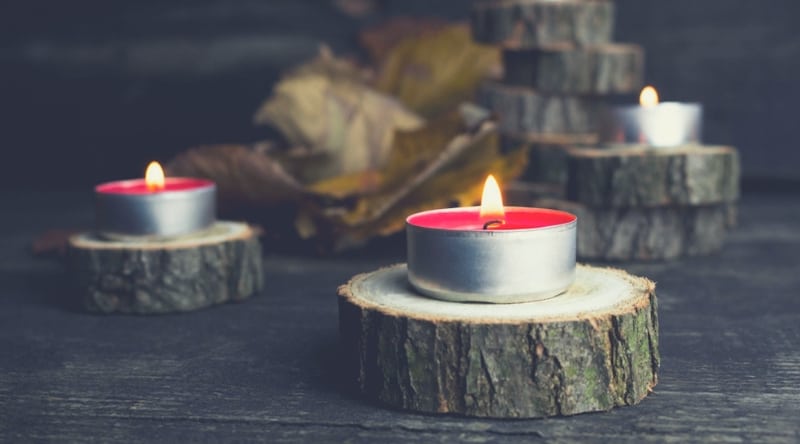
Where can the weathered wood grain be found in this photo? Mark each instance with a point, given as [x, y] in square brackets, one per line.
[219, 265]
[647, 234]
[502, 360]
[524, 110]
[569, 69]
[529, 23]
[635, 176]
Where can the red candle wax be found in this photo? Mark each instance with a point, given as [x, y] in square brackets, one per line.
[468, 219]
[138, 186]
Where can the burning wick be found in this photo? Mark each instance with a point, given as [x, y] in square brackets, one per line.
[491, 223]
[492, 204]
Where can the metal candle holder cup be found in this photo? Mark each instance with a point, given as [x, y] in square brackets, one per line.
[154, 215]
[492, 265]
[663, 125]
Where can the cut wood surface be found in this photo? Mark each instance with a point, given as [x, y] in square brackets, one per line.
[641, 176]
[592, 348]
[217, 265]
[645, 234]
[520, 109]
[528, 23]
[570, 69]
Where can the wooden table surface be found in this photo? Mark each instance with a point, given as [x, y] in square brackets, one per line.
[266, 369]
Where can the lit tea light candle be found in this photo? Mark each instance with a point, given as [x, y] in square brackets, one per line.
[656, 124]
[491, 253]
[156, 206]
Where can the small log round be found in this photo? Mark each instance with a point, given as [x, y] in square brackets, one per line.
[522, 110]
[569, 69]
[530, 23]
[217, 265]
[592, 348]
[547, 162]
[648, 234]
[635, 176]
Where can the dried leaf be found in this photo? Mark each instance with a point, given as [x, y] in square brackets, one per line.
[433, 167]
[326, 106]
[435, 72]
[245, 175]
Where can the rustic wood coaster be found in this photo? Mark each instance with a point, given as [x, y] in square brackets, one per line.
[592, 348]
[635, 176]
[524, 110]
[528, 23]
[645, 234]
[569, 69]
[217, 265]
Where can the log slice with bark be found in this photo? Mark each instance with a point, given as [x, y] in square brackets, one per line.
[530, 23]
[522, 110]
[213, 266]
[592, 348]
[570, 69]
[636, 176]
[648, 234]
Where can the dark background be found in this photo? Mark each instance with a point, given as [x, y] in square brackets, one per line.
[92, 90]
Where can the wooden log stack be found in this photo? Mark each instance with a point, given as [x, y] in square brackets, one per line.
[559, 62]
[641, 203]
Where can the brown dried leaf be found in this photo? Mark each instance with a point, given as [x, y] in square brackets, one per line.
[245, 175]
[435, 72]
[437, 166]
[326, 106]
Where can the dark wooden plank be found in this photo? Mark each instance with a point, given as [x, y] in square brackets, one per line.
[266, 369]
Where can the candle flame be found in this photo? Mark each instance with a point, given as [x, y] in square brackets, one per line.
[154, 177]
[648, 97]
[492, 200]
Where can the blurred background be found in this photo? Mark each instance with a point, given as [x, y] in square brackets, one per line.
[91, 90]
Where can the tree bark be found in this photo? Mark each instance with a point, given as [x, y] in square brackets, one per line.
[524, 110]
[593, 348]
[524, 24]
[646, 234]
[568, 69]
[645, 177]
[217, 265]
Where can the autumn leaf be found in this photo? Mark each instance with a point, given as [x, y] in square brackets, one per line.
[440, 165]
[434, 72]
[379, 40]
[245, 175]
[325, 105]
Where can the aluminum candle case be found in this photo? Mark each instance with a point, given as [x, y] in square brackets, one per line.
[137, 208]
[530, 257]
[655, 124]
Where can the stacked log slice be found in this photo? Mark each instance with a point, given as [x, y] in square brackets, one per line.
[526, 23]
[558, 63]
[640, 203]
[570, 69]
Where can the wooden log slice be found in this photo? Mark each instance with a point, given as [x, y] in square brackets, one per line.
[648, 234]
[524, 110]
[530, 23]
[217, 265]
[569, 69]
[635, 176]
[592, 348]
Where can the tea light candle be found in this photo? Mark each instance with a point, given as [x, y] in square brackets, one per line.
[491, 253]
[656, 124]
[155, 206]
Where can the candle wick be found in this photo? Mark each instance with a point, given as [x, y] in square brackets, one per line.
[490, 223]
